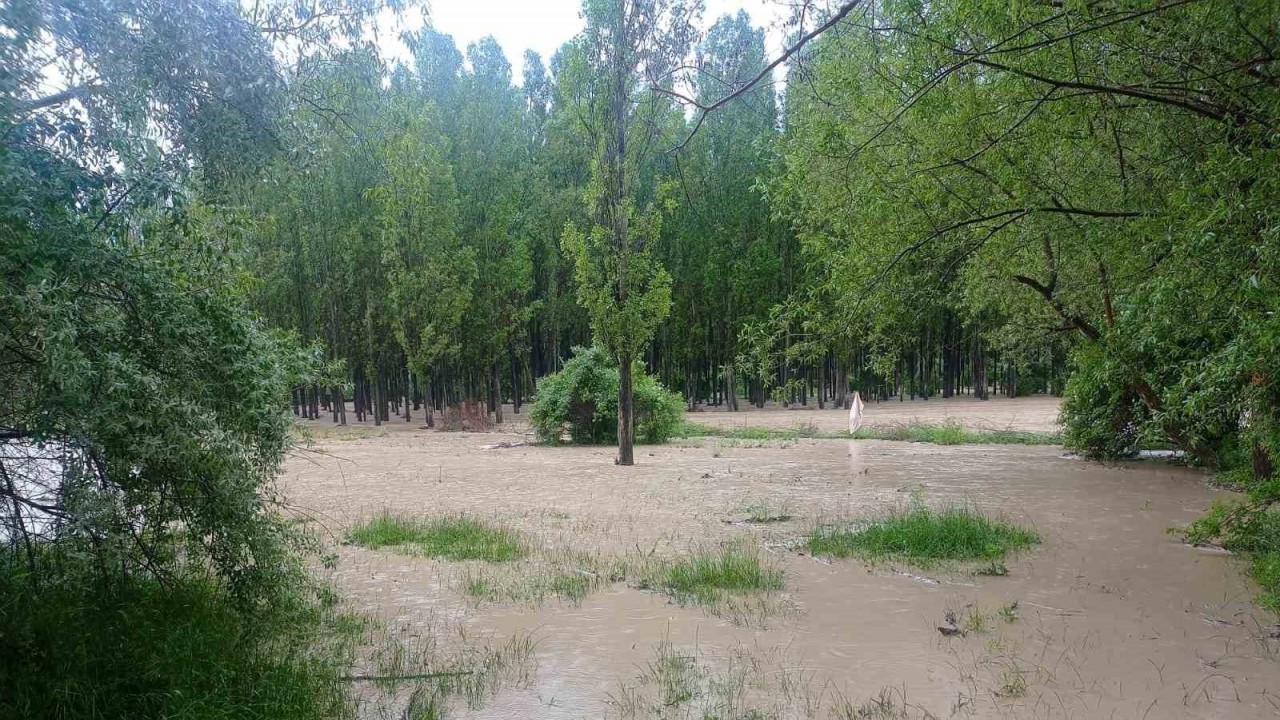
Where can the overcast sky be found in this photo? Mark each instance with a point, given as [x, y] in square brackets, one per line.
[544, 25]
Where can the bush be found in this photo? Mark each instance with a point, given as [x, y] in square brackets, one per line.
[81, 646]
[583, 397]
[1101, 416]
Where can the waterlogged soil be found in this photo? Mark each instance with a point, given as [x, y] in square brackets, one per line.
[1114, 616]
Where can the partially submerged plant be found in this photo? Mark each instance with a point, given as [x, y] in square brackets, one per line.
[708, 576]
[452, 537]
[923, 536]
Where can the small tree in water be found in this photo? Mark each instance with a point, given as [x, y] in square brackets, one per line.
[627, 45]
[584, 398]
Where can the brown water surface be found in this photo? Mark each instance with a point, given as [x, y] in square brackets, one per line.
[1116, 618]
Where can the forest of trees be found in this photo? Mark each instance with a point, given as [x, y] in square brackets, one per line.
[421, 238]
[928, 206]
[210, 211]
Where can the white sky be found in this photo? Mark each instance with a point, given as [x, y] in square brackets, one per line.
[544, 25]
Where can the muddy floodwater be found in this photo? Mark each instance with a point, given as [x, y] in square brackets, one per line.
[1110, 617]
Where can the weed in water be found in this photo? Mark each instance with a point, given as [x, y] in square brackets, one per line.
[762, 513]
[890, 704]
[923, 536]
[570, 586]
[995, 569]
[744, 684]
[976, 621]
[954, 434]
[560, 573]
[675, 674]
[707, 576]
[1009, 612]
[949, 434]
[454, 537]
[1013, 683]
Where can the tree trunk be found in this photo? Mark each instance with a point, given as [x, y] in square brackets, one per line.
[495, 392]
[626, 430]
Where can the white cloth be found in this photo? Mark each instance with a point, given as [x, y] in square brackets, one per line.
[855, 413]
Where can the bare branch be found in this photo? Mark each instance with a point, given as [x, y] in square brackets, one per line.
[751, 83]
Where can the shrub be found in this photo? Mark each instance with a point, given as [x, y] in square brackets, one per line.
[1101, 416]
[583, 398]
[82, 646]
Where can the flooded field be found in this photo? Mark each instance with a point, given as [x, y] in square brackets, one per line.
[1110, 616]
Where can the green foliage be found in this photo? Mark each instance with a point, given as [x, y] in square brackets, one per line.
[72, 646]
[923, 536]
[452, 538]
[1101, 413]
[954, 434]
[951, 434]
[583, 397]
[1265, 569]
[626, 300]
[144, 569]
[1128, 219]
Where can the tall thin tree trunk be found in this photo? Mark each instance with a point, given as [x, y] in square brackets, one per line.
[626, 429]
[495, 392]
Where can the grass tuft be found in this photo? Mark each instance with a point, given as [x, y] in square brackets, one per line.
[455, 537]
[706, 577]
[923, 536]
[948, 434]
[955, 434]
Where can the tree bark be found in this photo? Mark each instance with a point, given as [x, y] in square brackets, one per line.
[626, 428]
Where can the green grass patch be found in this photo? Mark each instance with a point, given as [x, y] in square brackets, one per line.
[454, 537]
[706, 576]
[694, 430]
[1265, 569]
[954, 434]
[947, 434]
[1251, 528]
[923, 536]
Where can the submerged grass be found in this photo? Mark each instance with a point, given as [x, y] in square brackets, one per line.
[955, 434]
[923, 536]
[764, 513]
[946, 434]
[549, 573]
[454, 537]
[709, 576]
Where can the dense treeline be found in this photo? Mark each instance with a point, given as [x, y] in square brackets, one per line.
[933, 206]
[419, 238]
[942, 199]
